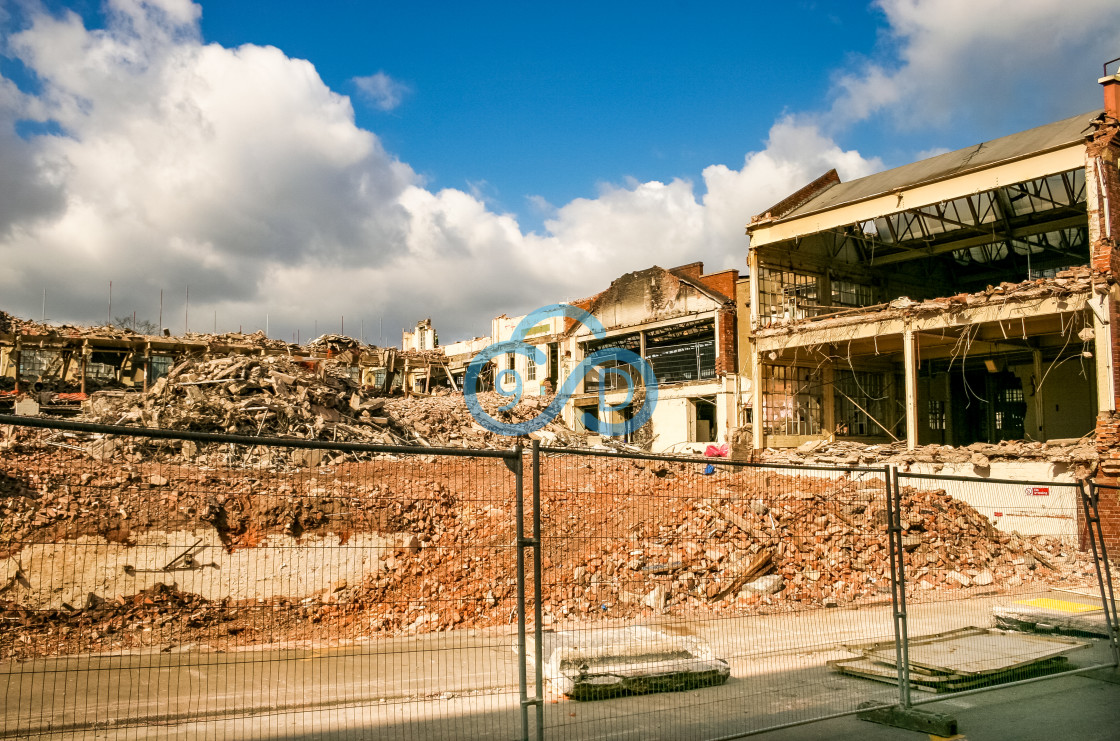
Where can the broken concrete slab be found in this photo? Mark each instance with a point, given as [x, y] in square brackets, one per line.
[598, 663]
[962, 659]
[1048, 615]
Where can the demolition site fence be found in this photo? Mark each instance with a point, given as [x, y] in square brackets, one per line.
[159, 584]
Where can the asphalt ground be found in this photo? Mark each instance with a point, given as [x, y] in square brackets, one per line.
[464, 686]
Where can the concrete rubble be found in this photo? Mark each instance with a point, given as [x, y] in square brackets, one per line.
[1066, 283]
[278, 396]
[594, 665]
[726, 543]
[1077, 455]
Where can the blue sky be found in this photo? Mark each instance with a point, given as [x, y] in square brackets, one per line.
[390, 161]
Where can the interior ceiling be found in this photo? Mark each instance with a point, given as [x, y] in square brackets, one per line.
[1041, 221]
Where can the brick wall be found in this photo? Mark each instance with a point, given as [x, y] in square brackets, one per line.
[726, 362]
[1102, 155]
[723, 282]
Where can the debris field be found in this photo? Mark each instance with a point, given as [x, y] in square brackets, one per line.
[620, 539]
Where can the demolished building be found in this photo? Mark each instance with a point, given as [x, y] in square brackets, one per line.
[966, 298]
[682, 321]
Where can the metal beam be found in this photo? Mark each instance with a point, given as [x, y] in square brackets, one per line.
[917, 254]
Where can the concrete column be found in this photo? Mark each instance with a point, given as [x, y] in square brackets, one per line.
[756, 399]
[1039, 406]
[85, 364]
[17, 359]
[642, 342]
[1102, 351]
[756, 291]
[828, 398]
[910, 370]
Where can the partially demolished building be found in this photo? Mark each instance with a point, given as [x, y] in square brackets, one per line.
[966, 298]
[682, 321]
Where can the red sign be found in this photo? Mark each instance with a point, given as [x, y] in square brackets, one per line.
[1038, 491]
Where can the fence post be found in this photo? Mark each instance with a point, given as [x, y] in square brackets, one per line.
[519, 518]
[538, 592]
[1089, 501]
[898, 586]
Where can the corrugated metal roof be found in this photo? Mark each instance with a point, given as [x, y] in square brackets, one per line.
[1015, 146]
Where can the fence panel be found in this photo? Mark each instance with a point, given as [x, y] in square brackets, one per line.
[736, 584]
[214, 587]
[997, 588]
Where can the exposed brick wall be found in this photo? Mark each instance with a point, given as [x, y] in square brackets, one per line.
[723, 282]
[1108, 505]
[1102, 155]
[801, 197]
[692, 270]
[726, 362]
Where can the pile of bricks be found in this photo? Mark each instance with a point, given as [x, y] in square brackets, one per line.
[620, 538]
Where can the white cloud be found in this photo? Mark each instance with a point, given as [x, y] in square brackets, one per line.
[238, 172]
[381, 90]
[941, 60]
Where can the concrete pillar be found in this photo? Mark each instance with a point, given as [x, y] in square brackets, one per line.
[1102, 351]
[1039, 406]
[85, 363]
[756, 399]
[756, 290]
[910, 370]
[17, 358]
[828, 398]
[147, 364]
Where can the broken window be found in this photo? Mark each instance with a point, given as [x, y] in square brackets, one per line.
[683, 352]
[849, 294]
[531, 369]
[159, 366]
[36, 363]
[101, 372]
[936, 414]
[791, 400]
[691, 361]
[786, 295]
[862, 403]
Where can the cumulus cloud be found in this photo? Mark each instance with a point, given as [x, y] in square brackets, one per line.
[381, 90]
[239, 173]
[161, 162]
[986, 61]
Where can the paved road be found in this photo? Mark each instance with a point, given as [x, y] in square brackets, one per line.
[464, 685]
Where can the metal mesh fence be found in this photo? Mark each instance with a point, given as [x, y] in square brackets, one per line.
[152, 582]
[156, 584]
[997, 589]
[737, 584]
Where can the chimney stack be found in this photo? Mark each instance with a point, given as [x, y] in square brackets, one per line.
[1111, 85]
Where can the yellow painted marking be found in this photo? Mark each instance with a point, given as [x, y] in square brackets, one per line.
[1047, 603]
[958, 737]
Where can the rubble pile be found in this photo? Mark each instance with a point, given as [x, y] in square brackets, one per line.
[53, 495]
[239, 394]
[445, 420]
[623, 538]
[281, 396]
[1065, 283]
[155, 617]
[10, 324]
[818, 543]
[1080, 454]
